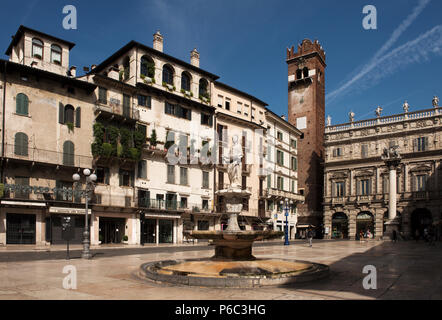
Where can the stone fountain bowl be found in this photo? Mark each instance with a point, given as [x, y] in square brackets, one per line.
[235, 235]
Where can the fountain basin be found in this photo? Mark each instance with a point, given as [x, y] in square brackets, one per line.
[233, 274]
[234, 245]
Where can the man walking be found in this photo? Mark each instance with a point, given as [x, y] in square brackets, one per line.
[310, 237]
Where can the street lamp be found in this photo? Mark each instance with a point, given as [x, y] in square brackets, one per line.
[90, 179]
[286, 209]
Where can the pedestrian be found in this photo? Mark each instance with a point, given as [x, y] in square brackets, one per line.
[394, 236]
[310, 237]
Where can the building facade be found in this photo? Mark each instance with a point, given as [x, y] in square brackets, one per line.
[150, 126]
[356, 179]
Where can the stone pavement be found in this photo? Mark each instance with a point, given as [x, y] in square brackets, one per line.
[405, 270]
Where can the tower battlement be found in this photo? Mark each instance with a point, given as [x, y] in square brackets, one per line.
[306, 47]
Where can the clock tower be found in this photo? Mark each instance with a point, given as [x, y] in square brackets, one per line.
[306, 111]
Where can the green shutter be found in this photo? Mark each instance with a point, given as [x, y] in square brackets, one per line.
[22, 103]
[78, 117]
[61, 113]
[21, 144]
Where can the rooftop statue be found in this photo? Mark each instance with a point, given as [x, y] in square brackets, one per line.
[351, 116]
[378, 111]
[406, 106]
[435, 101]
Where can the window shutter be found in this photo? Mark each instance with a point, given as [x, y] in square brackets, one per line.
[343, 190]
[413, 183]
[78, 117]
[358, 187]
[426, 143]
[210, 120]
[132, 179]
[106, 175]
[369, 186]
[189, 114]
[415, 145]
[334, 189]
[61, 113]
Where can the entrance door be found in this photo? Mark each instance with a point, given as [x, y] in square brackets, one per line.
[364, 223]
[421, 219]
[112, 230]
[20, 228]
[77, 223]
[149, 229]
[166, 231]
[339, 226]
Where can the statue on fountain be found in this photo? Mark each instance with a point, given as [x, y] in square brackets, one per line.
[234, 168]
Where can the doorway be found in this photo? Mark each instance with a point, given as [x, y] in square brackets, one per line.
[166, 231]
[339, 226]
[112, 230]
[421, 219]
[20, 228]
[364, 224]
[149, 231]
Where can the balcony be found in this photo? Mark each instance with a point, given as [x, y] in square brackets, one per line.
[338, 200]
[280, 194]
[114, 110]
[363, 199]
[48, 157]
[165, 205]
[421, 195]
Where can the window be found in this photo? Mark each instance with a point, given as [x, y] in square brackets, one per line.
[142, 169]
[298, 74]
[22, 104]
[244, 183]
[147, 67]
[293, 143]
[183, 203]
[102, 175]
[126, 68]
[246, 110]
[203, 92]
[126, 105]
[205, 204]
[339, 189]
[227, 104]
[220, 101]
[171, 174]
[22, 192]
[183, 176]
[305, 72]
[269, 181]
[63, 191]
[178, 111]
[37, 49]
[294, 164]
[421, 144]
[280, 183]
[421, 182]
[206, 119]
[364, 150]
[144, 101]
[185, 81]
[337, 152]
[253, 113]
[184, 141]
[68, 153]
[279, 136]
[126, 178]
[239, 107]
[205, 180]
[280, 157]
[69, 114]
[203, 225]
[168, 74]
[364, 187]
[56, 54]
[102, 95]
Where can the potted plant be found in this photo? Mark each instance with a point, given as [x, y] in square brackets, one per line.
[153, 138]
[70, 126]
[107, 150]
[125, 239]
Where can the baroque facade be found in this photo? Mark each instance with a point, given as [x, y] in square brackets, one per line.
[356, 179]
[149, 125]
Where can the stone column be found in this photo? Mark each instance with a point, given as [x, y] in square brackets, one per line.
[392, 200]
[328, 223]
[352, 224]
[175, 231]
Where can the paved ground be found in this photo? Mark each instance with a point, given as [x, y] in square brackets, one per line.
[405, 270]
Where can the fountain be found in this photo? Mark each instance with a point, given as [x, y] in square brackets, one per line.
[233, 264]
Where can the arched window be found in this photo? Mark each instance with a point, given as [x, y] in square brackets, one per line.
[22, 104]
[37, 48]
[168, 74]
[68, 153]
[69, 114]
[185, 81]
[305, 72]
[298, 74]
[203, 92]
[147, 67]
[126, 66]
[56, 54]
[21, 144]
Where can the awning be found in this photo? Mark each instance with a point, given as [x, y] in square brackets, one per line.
[302, 226]
[23, 203]
[162, 216]
[64, 210]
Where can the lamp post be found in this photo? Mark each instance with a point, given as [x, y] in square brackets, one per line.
[90, 179]
[286, 209]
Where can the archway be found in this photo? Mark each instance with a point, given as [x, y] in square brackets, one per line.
[365, 224]
[339, 226]
[421, 219]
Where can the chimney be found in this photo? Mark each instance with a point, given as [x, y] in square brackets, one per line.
[195, 58]
[93, 66]
[158, 41]
[73, 71]
[283, 117]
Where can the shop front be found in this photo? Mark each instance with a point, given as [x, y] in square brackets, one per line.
[20, 228]
[161, 228]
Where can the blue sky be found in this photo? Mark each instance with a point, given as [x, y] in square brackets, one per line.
[244, 42]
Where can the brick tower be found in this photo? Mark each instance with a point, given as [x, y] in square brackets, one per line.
[306, 110]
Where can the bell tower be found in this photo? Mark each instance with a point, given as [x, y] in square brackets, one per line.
[306, 111]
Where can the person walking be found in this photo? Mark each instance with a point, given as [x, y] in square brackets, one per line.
[310, 237]
[394, 236]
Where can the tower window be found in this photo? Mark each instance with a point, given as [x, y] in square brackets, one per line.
[56, 54]
[37, 49]
[298, 74]
[305, 72]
